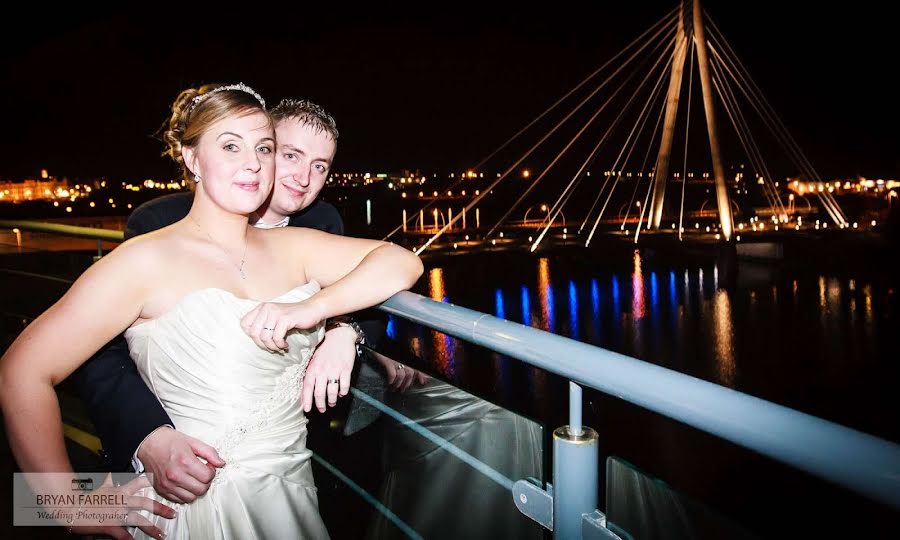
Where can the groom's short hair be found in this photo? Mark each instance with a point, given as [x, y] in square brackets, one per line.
[308, 114]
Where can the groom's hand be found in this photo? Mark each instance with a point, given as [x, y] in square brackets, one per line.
[399, 376]
[332, 360]
[174, 458]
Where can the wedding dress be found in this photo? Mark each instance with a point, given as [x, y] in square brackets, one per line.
[218, 386]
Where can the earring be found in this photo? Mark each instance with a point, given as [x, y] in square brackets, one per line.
[197, 178]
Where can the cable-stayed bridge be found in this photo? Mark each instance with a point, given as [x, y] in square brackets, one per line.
[669, 136]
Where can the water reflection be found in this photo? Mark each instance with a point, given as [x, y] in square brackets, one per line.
[655, 315]
[789, 330]
[595, 311]
[526, 306]
[436, 285]
[687, 290]
[545, 295]
[440, 342]
[637, 288]
[722, 323]
[499, 310]
[822, 294]
[701, 286]
[867, 292]
[869, 324]
[573, 310]
[673, 296]
[617, 306]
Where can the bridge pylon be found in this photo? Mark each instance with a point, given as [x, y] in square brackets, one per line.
[690, 30]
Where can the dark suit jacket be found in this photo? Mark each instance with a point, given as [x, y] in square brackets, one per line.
[166, 210]
[123, 409]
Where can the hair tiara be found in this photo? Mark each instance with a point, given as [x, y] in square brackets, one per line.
[239, 86]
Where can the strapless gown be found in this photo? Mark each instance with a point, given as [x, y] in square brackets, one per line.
[219, 387]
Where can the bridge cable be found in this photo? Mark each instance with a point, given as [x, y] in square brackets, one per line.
[654, 95]
[667, 20]
[741, 127]
[828, 207]
[779, 130]
[768, 180]
[650, 182]
[541, 176]
[509, 170]
[675, 45]
[576, 179]
[774, 124]
[686, 135]
[603, 187]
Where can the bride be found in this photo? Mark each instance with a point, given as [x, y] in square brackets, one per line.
[221, 319]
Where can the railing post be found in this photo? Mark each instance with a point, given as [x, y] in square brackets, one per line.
[99, 254]
[575, 471]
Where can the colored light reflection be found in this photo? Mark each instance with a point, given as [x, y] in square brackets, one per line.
[637, 288]
[440, 342]
[545, 295]
[722, 326]
[573, 310]
[526, 306]
[499, 310]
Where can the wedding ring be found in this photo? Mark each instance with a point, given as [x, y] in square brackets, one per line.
[399, 366]
[269, 329]
[334, 381]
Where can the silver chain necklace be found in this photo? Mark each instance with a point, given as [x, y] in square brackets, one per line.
[220, 246]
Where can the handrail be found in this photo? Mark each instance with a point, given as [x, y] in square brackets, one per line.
[64, 230]
[850, 458]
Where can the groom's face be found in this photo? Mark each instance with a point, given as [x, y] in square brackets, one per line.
[302, 163]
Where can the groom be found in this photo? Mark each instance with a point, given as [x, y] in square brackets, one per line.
[129, 419]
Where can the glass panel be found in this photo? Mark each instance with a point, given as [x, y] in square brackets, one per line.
[438, 461]
[32, 281]
[647, 508]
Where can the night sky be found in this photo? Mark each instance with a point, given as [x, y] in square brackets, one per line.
[85, 92]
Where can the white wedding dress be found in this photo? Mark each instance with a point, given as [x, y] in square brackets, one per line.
[218, 386]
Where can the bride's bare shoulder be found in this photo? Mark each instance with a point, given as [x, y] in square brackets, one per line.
[149, 251]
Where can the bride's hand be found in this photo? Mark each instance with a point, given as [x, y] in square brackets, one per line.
[119, 517]
[332, 361]
[269, 322]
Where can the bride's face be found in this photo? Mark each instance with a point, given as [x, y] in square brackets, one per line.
[235, 159]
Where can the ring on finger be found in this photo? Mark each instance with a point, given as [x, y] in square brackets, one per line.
[399, 366]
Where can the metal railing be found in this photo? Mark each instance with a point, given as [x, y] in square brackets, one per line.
[91, 233]
[849, 458]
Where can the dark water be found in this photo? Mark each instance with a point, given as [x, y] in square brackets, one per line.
[818, 340]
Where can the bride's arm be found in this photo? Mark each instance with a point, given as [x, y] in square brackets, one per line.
[355, 274]
[104, 301]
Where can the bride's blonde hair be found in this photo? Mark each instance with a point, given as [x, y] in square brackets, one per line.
[196, 109]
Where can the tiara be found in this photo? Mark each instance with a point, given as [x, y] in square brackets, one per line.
[239, 86]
